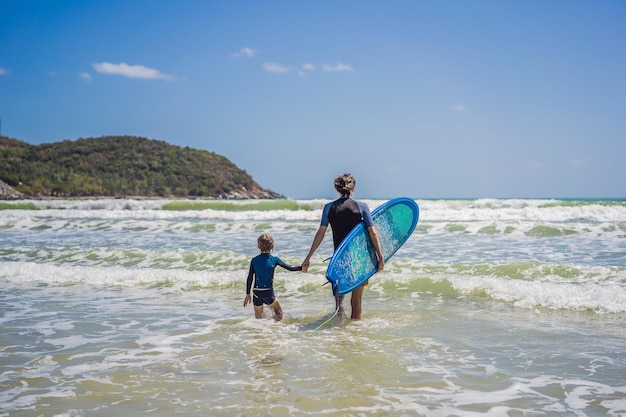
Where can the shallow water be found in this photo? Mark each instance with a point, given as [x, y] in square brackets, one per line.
[120, 308]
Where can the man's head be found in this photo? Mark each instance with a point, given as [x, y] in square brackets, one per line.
[345, 185]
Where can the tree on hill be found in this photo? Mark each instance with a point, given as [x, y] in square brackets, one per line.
[122, 165]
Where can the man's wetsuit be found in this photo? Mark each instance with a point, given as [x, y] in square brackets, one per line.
[262, 267]
[343, 214]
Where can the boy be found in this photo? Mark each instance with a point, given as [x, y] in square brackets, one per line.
[262, 274]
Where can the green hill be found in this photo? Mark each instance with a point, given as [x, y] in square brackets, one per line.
[121, 166]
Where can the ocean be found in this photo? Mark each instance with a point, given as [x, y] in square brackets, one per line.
[493, 307]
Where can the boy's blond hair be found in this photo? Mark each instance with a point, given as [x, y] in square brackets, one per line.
[265, 243]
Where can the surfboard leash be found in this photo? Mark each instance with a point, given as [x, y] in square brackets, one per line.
[329, 319]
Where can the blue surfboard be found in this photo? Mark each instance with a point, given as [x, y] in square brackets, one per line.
[354, 260]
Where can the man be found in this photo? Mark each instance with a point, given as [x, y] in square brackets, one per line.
[342, 215]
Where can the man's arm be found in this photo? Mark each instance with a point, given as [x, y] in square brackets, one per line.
[377, 247]
[317, 241]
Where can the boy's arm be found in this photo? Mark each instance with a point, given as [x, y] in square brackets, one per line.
[289, 267]
[250, 279]
[249, 285]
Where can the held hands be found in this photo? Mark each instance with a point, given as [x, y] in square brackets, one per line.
[246, 301]
[305, 265]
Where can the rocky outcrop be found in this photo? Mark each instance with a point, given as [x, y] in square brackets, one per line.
[257, 193]
[8, 193]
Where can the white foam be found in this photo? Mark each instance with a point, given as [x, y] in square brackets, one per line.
[518, 210]
[602, 298]
[107, 276]
[441, 217]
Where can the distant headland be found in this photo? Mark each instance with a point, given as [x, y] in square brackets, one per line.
[120, 166]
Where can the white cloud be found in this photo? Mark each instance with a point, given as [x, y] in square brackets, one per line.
[246, 52]
[3, 71]
[306, 68]
[275, 68]
[130, 71]
[338, 68]
[458, 107]
[85, 76]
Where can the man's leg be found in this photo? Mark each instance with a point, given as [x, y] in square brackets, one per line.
[355, 301]
[339, 305]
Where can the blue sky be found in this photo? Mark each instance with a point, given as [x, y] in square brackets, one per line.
[426, 99]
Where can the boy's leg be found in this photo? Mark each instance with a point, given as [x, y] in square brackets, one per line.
[258, 311]
[278, 311]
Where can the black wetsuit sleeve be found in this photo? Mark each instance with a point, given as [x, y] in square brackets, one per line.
[289, 267]
[250, 279]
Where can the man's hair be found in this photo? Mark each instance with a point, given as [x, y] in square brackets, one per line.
[265, 242]
[345, 184]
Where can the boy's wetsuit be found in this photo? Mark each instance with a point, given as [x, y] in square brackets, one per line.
[262, 267]
[343, 214]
